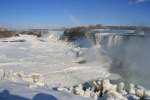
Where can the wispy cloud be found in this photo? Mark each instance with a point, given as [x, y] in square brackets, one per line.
[137, 1]
[74, 20]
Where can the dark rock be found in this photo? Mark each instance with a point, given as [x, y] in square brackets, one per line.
[75, 32]
[15, 41]
[6, 34]
[38, 34]
[82, 62]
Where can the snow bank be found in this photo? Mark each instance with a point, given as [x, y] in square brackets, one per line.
[14, 91]
[50, 62]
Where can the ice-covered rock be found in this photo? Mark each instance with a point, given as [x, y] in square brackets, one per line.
[70, 89]
[79, 60]
[120, 86]
[87, 93]
[8, 75]
[37, 78]
[95, 85]
[107, 86]
[79, 90]
[104, 90]
[139, 92]
[34, 78]
[63, 89]
[17, 76]
[131, 89]
[147, 93]
[139, 87]
[113, 95]
[60, 89]
[99, 82]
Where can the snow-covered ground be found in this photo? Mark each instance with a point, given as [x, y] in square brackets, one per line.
[47, 62]
[17, 91]
[53, 61]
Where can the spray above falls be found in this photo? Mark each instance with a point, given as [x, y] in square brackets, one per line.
[126, 51]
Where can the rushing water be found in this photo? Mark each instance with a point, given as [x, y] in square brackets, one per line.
[129, 54]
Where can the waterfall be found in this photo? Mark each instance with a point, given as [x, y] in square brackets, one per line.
[129, 54]
[108, 40]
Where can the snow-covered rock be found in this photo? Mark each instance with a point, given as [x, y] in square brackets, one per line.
[80, 60]
[113, 95]
[139, 92]
[131, 89]
[120, 86]
[107, 86]
[87, 93]
[147, 93]
[79, 90]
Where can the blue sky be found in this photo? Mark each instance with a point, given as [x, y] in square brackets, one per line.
[57, 13]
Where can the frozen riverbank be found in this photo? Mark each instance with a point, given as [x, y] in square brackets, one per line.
[53, 62]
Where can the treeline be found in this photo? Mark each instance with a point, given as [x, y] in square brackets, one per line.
[5, 33]
[70, 33]
[99, 26]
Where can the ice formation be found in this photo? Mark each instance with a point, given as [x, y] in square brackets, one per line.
[105, 90]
